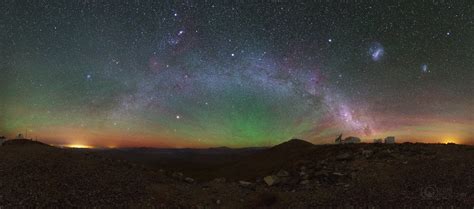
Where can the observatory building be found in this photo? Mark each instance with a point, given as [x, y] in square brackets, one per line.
[389, 140]
[2, 139]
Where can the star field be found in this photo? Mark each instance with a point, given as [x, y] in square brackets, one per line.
[200, 74]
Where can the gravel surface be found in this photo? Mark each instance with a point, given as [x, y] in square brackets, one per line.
[33, 175]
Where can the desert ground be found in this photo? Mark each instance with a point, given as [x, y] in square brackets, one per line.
[294, 174]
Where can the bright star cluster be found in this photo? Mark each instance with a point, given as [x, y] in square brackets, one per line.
[201, 74]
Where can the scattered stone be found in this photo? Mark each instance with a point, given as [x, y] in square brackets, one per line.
[338, 174]
[322, 163]
[177, 175]
[367, 153]
[321, 173]
[353, 175]
[304, 182]
[337, 179]
[290, 181]
[245, 184]
[189, 180]
[271, 180]
[282, 173]
[219, 180]
[284, 180]
[344, 156]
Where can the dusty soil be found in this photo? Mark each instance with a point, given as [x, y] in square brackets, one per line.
[307, 176]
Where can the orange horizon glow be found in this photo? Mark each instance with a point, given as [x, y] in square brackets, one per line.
[78, 146]
[423, 131]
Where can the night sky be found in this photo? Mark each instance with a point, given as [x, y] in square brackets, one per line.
[251, 73]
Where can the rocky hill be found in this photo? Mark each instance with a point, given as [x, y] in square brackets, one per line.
[295, 174]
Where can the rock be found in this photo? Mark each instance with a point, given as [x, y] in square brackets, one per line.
[322, 176]
[282, 173]
[219, 180]
[271, 180]
[177, 175]
[338, 174]
[344, 156]
[284, 180]
[304, 182]
[321, 173]
[245, 184]
[291, 181]
[189, 180]
[218, 202]
[322, 163]
[367, 153]
[353, 175]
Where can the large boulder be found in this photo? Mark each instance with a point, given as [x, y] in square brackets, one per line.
[271, 180]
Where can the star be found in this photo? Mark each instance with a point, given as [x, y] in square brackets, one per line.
[424, 68]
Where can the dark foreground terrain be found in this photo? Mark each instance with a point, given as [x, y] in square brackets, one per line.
[295, 174]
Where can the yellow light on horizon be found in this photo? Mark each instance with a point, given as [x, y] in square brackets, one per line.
[450, 140]
[80, 146]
